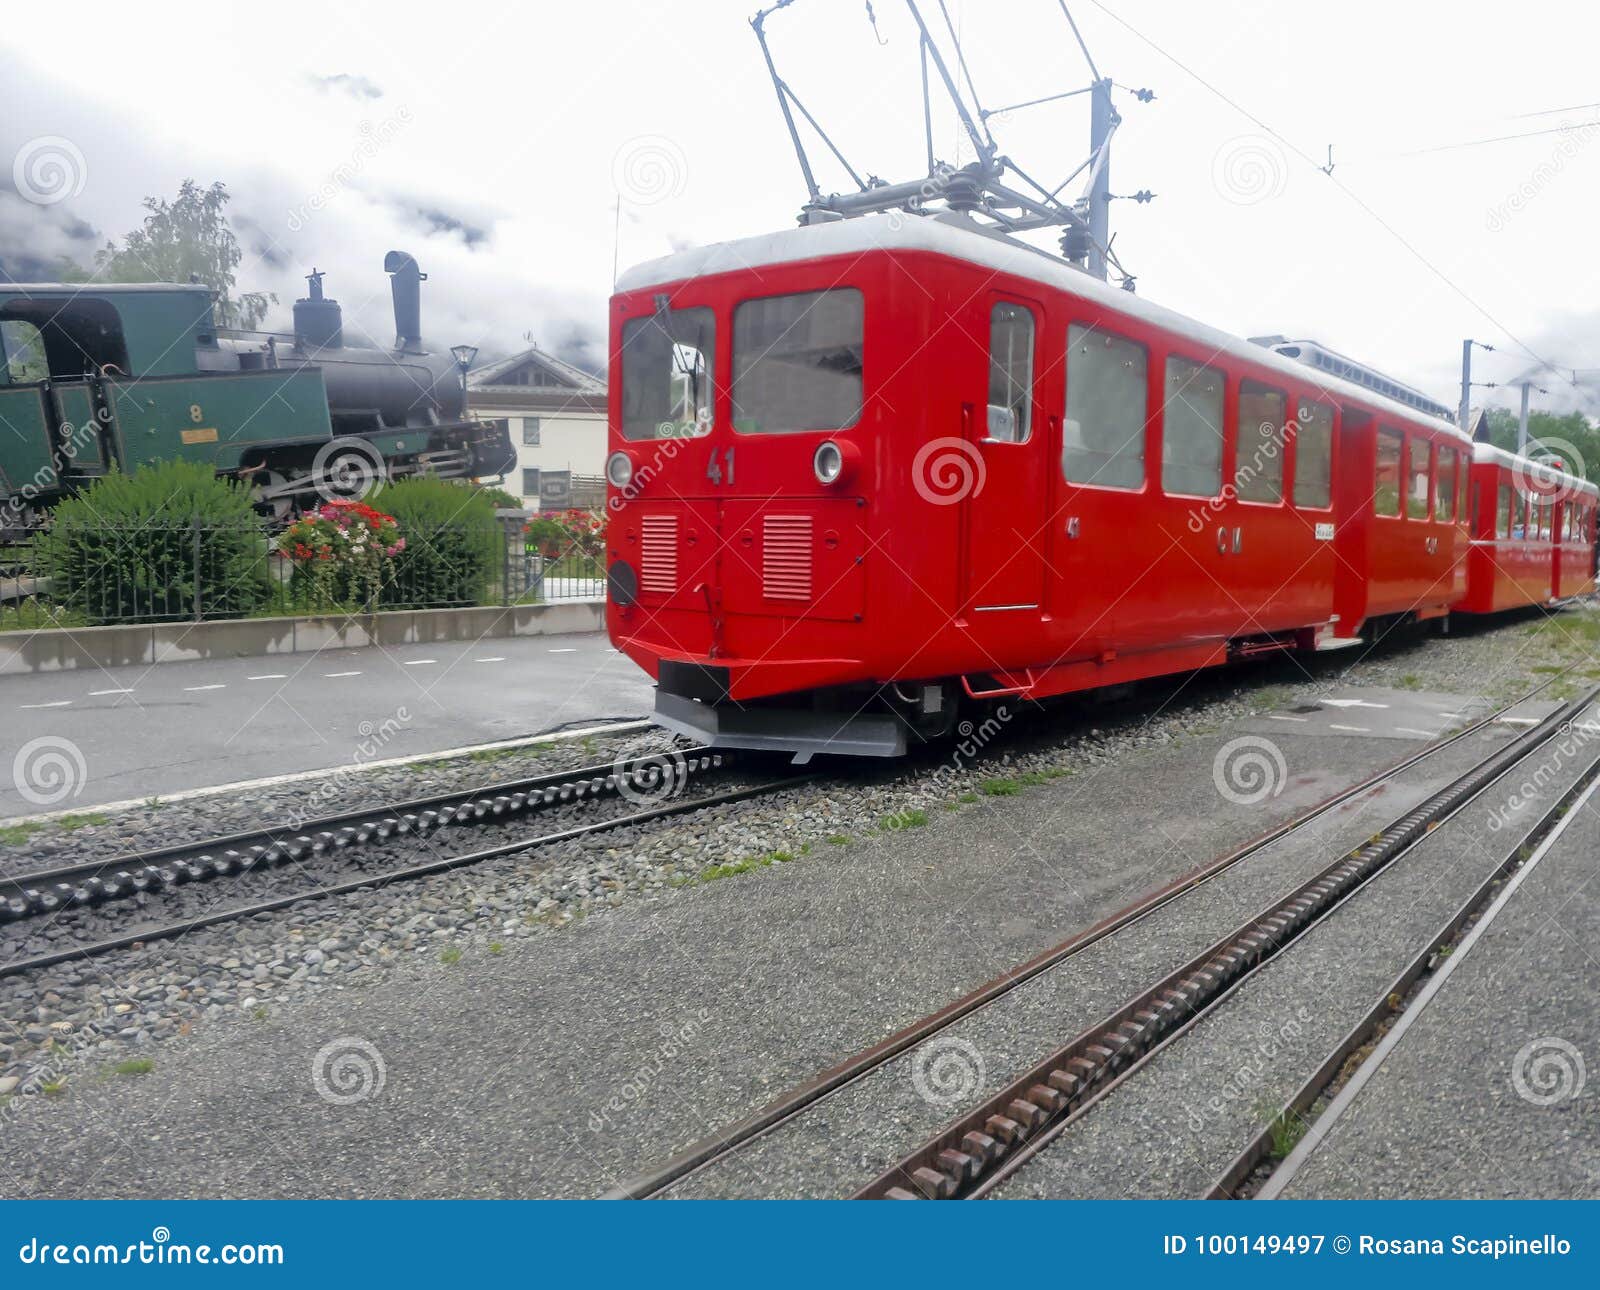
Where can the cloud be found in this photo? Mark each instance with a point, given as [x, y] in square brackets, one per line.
[484, 286]
[357, 87]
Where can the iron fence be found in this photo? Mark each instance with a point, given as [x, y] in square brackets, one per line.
[169, 570]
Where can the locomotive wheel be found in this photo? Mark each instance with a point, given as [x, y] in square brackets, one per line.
[347, 469]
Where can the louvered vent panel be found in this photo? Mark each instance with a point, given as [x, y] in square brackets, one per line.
[786, 557]
[658, 564]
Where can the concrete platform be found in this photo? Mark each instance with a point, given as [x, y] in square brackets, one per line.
[1493, 1089]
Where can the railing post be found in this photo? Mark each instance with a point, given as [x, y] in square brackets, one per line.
[195, 525]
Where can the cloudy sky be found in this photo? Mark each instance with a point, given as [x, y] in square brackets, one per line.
[495, 141]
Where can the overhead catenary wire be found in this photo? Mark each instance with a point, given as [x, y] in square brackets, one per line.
[1395, 233]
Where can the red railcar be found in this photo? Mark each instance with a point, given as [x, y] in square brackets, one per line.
[862, 469]
[1533, 534]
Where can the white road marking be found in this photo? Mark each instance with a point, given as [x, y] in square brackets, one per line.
[1451, 716]
[568, 650]
[218, 686]
[269, 676]
[1275, 716]
[1351, 703]
[418, 662]
[59, 703]
[1518, 721]
[95, 694]
[1412, 730]
[499, 658]
[341, 674]
[1355, 730]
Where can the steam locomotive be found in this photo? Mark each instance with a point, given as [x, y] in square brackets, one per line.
[94, 375]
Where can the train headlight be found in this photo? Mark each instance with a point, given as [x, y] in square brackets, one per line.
[828, 462]
[619, 469]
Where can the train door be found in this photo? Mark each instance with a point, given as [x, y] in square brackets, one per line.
[1004, 434]
[1353, 517]
[1115, 564]
[1268, 544]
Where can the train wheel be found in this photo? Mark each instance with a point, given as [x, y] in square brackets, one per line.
[929, 709]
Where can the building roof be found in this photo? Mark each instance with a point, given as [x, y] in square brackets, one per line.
[562, 375]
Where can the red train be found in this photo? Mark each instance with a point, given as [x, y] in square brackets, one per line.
[866, 469]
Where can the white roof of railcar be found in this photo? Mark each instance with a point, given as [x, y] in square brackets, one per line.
[962, 240]
[1511, 461]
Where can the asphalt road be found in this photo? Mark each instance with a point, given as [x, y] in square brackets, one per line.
[147, 731]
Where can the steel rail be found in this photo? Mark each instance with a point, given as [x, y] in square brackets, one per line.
[795, 1102]
[442, 864]
[982, 1148]
[1544, 834]
[47, 891]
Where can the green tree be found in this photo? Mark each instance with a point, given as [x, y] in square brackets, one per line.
[1553, 431]
[186, 238]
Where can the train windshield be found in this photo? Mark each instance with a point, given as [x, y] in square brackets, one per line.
[667, 365]
[797, 362]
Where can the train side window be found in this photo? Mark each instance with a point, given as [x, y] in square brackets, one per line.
[797, 362]
[1519, 515]
[1102, 441]
[667, 367]
[1417, 479]
[1191, 429]
[1502, 514]
[1386, 486]
[22, 348]
[1313, 456]
[1010, 413]
[1444, 502]
[1258, 474]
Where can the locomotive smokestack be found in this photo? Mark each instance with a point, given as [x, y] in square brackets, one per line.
[405, 279]
[318, 322]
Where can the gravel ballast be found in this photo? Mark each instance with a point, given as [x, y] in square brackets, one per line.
[825, 947]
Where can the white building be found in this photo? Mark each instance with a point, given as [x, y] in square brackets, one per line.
[556, 414]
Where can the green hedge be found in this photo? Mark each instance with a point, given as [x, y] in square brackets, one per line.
[454, 549]
[169, 541]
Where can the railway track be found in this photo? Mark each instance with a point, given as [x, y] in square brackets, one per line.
[976, 1152]
[652, 781]
[44, 891]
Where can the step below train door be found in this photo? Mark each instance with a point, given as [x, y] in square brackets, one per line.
[1001, 450]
